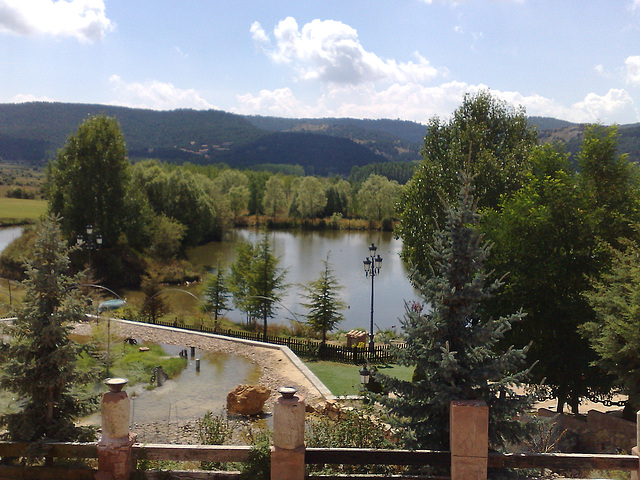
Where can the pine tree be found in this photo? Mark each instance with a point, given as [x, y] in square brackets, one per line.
[41, 359]
[323, 303]
[452, 346]
[216, 293]
[154, 306]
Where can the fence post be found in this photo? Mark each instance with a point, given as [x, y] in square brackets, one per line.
[115, 456]
[636, 450]
[469, 439]
[287, 453]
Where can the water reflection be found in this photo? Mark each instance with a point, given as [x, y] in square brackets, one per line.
[301, 253]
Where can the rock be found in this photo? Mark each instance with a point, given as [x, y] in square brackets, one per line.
[247, 399]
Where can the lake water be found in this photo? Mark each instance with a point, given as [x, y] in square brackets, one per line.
[301, 253]
[8, 235]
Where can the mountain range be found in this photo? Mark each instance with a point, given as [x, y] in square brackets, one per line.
[33, 133]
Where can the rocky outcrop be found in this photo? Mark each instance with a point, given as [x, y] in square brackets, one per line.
[247, 399]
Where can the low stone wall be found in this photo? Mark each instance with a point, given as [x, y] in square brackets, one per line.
[600, 432]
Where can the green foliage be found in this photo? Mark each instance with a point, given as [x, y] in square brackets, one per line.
[216, 293]
[377, 198]
[214, 430]
[615, 333]
[153, 307]
[40, 363]
[356, 428]
[275, 199]
[612, 183]
[89, 181]
[401, 172]
[255, 280]
[544, 239]
[258, 464]
[454, 346]
[323, 302]
[486, 138]
[310, 197]
[184, 197]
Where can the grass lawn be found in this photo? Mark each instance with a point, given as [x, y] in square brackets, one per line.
[344, 379]
[19, 208]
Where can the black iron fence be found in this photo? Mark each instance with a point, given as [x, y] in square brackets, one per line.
[381, 354]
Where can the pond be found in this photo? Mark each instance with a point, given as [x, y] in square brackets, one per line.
[301, 254]
[191, 394]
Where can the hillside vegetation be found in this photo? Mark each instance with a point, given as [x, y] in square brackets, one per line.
[34, 132]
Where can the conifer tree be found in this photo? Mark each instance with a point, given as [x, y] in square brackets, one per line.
[217, 293]
[323, 303]
[154, 307]
[452, 346]
[41, 359]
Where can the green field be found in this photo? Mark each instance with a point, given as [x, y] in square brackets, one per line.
[21, 209]
[343, 379]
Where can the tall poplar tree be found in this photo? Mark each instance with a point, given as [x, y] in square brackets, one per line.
[453, 346]
[40, 363]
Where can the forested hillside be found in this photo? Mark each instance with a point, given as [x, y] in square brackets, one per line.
[33, 132]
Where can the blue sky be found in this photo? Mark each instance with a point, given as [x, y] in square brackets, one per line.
[407, 59]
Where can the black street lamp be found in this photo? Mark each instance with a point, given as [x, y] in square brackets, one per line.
[372, 266]
[93, 241]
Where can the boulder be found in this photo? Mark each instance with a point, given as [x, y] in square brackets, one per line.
[247, 399]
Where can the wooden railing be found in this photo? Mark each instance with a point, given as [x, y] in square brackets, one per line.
[330, 456]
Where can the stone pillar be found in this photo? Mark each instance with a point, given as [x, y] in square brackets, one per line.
[115, 459]
[469, 439]
[287, 453]
[636, 450]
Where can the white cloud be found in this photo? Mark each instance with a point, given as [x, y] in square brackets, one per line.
[632, 64]
[83, 19]
[156, 95]
[330, 51]
[27, 97]
[412, 101]
[635, 5]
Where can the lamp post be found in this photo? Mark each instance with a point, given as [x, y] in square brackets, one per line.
[372, 266]
[364, 376]
[93, 241]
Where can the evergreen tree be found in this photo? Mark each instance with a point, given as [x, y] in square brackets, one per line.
[323, 303]
[216, 293]
[255, 280]
[154, 306]
[41, 359]
[452, 346]
[266, 282]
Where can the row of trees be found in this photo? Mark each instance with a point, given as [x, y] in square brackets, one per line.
[256, 284]
[557, 224]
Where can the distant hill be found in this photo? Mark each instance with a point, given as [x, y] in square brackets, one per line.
[33, 132]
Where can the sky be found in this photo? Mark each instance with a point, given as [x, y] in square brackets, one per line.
[576, 60]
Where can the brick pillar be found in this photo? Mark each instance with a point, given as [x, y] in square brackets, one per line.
[287, 453]
[636, 450]
[115, 457]
[469, 439]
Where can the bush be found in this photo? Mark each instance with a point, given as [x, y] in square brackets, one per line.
[354, 429]
[214, 430]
